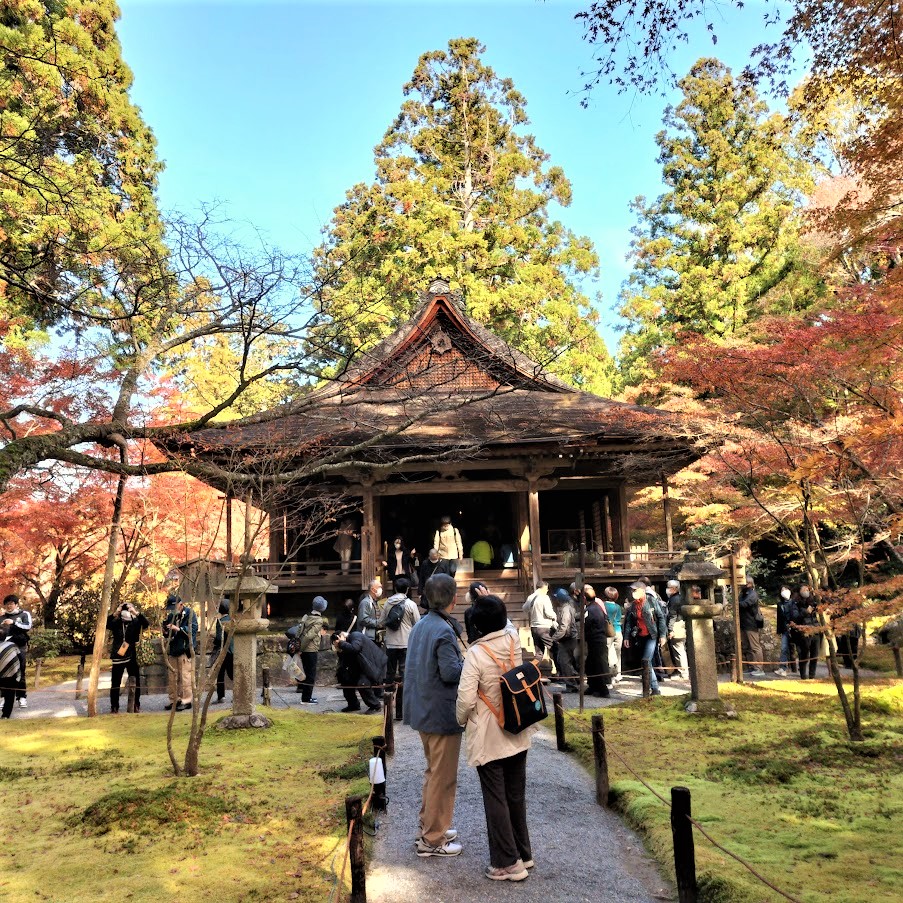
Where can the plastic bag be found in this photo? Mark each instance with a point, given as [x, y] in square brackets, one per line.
[291, 664]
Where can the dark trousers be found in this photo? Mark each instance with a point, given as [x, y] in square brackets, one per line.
[309, 664]
[129, 666]
[848, 647]
[597, 667]
[397, 658]
[565, 654]
[368, 697]
[541, 640]
[806, 648]
[20, 687]
[225, 670]
[658, 663]
[504, 786]
[8, 687]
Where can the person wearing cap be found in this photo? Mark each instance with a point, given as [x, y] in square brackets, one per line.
[222, 629]
[125, 627]
[396, 639]
[308, 635]
[16, 622]
[543, 620]
[644, 628]
[180, 628]
[677, 629]
[564, 639]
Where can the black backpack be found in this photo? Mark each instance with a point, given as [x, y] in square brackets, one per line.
[395, 615]
[523, 702]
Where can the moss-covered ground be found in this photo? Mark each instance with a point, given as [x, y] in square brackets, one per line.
[91, 810]
[781, 786]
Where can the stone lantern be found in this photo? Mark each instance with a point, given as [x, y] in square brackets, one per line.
[247, 593]
[697, 583]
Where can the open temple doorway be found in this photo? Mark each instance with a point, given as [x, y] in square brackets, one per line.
[486, 517]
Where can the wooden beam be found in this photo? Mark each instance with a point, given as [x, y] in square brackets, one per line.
[622, 532]
[450, 486]
[229, 527]
[368, 557]
[535, 543]
[666, 505]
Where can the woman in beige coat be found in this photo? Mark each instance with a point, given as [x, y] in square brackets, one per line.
[500, 757]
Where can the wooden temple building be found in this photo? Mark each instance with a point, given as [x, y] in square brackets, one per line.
[444, 418]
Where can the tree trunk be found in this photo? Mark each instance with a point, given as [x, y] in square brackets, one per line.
[104, 607]
[852, 718]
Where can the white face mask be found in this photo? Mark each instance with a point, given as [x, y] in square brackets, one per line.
[785, 593]
[377, 592]
[397, 545]
[125, 614]
[805, 593]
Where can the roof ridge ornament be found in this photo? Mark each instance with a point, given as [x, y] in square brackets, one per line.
[439, 286]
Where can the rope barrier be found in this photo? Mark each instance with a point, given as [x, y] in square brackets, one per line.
[699, 827]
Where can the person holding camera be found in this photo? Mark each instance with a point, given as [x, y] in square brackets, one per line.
[125, 625]
[180, 629]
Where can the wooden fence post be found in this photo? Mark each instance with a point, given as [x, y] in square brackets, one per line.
[684, 853]
[380, 800]
[399, 701]
[647, 680]
[130, 707]
[388, 724]
[265, 680]
[354, 807]
[600, 754]
[558, 706]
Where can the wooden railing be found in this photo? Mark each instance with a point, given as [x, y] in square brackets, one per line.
[293, 570]
[633, 562]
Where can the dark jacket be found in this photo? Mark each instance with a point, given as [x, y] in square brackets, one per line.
[596, 624]
[222, 628]
[343, 619]
[184, 640]
[429, 568]
[798, 610]
[785, 607]
[408, 565]
[568, 628]
[126, 632]
[653, 616]
[370, 659]
[431, 675]
[749, 608]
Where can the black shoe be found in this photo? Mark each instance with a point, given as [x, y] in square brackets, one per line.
[114, 711]
[656, 692]
[137, 710]
[183, 708]
[168, 706]
[219, 699]
[348, 708]
[373, 710]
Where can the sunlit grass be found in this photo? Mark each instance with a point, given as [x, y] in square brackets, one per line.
[91, 811]
[781, 786]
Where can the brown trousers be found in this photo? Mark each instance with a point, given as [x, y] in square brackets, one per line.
[752, 651]
[440, 782]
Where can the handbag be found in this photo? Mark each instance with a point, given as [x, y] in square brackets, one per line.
[291, 664]
[609, 629]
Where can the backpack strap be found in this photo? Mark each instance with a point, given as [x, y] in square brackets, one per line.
[499, 715]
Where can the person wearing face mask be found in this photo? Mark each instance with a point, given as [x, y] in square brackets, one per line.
[750, 624]
[125, 626]
[447, 542]
[788, 655]
[431, 566]
[644, 629]
[677, 629]
[368, 610]
[402, 562]
[804, 614]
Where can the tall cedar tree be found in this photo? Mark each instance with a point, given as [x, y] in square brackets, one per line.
[463, 193]
[721, 237]
[77, 164]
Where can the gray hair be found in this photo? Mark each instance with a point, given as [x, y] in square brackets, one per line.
[674, 584]
[440, 592]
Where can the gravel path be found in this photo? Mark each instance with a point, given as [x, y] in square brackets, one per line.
[586, 856]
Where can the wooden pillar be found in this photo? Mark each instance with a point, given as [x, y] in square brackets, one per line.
[229, 526]
[378, 551]
[598, 535]
[368, 556]
[622, 534]
[666, 506]
[606, 520]
[277, 536]
[246, 545]
[535, 544]
[522, 526]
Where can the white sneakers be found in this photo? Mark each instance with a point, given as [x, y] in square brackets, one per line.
[23, 703]
[757, 672]
[781, 672]
[448, 848]
[516, 872]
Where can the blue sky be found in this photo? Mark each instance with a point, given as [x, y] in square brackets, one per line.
[273, 109]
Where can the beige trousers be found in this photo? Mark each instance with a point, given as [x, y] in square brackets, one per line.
[180, 679]
[440, 782]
